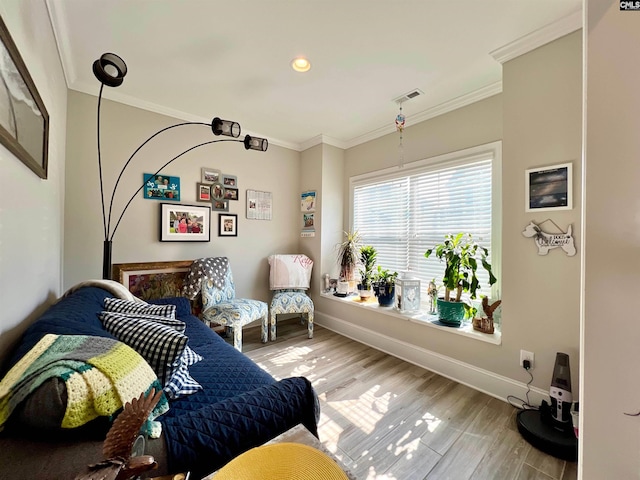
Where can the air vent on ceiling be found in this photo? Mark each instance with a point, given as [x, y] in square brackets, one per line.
[409, 95]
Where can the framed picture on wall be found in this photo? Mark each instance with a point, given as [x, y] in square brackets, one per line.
[161, 187]
[210, 175]
[227, 225]
[229, 180]
[220, 205]
[184, 223]
[24, 121]
[549, 188]
[203, 192]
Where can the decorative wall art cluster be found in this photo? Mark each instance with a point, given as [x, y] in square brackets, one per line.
[217, 188]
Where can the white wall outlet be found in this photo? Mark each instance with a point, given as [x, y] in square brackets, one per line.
[524, 355]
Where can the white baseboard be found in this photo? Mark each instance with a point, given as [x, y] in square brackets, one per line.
[497, 386]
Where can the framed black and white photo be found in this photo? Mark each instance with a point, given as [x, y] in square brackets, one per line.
[184, 223]
[549, 188]
[227, 225]
[24, 121]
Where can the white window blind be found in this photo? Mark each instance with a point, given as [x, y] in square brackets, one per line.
[402, 217]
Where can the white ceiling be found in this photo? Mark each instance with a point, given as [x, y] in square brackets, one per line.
[196, 59]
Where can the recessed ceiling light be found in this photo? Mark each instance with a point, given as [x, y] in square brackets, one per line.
[300, 64]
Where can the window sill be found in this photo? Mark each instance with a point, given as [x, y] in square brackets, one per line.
[421, 318]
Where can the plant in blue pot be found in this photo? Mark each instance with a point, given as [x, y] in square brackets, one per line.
[384, 286]
[461, 254]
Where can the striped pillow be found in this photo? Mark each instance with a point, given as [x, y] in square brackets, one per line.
[127, 306]
[160, 345]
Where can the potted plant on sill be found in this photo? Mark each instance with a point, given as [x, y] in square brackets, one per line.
[384, 286]
[461, 254]
[368, 255]
[348, 252]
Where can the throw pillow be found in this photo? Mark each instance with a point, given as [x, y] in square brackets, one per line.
[178, 325]
[181, 383]
[126, 306]
[161, 346]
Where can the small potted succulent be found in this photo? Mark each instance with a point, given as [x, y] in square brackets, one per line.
[384, 286]
[461, 254]
[368, 255]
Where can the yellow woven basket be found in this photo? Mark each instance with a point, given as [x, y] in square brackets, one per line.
[282, 461]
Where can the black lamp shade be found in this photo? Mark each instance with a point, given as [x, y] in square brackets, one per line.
[255, 143]
[110, 69]
[228, 128]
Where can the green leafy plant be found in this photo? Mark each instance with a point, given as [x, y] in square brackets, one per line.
[348, 252]
[368, 257]
[384, 280]
[461, 254]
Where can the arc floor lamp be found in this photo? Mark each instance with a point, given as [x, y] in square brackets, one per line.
[110, 70]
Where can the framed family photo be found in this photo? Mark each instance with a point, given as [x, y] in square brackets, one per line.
[184, 223]
[229, 180]
[210, 175]
[24, 121]
[549, 188]
[227, 225]
[220, 205]
[161, 187]
[230, 193]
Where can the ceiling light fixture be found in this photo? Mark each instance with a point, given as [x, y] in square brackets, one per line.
[110, 70]
[300, 64]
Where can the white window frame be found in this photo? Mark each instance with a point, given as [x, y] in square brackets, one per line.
[492, 151]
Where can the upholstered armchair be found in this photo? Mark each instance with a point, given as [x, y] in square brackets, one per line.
[212, 278]
[289, 277]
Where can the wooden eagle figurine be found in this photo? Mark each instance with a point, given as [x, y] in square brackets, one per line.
[489, 309]
[119, 464]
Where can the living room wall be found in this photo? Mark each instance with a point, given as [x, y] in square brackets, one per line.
[124, 128]
[31, 209]
[538, 118]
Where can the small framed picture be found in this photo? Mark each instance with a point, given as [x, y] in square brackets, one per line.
[203, 192]
[220, 206]
[161, 187]
[230, 193]
[229, 180]
[217, 192]
[184, 223]
[227, 225]
[209, 175]
[549, 188]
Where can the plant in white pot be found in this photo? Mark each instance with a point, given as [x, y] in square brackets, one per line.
[461, 254]
[368, 257]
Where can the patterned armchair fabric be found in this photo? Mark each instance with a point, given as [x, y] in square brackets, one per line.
[290, 271]
[220, 306]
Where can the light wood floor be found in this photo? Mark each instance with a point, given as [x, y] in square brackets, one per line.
[391, 420]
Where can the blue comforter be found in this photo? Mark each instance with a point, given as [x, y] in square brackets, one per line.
[241, 406]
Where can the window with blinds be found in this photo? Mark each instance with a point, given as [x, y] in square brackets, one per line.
[403, 216]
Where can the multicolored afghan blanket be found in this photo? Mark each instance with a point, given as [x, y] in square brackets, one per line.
[100, 375]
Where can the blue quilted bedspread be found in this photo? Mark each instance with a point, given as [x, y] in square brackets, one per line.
[241, 406]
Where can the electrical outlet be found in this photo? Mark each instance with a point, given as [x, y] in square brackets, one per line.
[524, 355]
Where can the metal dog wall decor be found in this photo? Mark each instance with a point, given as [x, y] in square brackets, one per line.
[548, 241]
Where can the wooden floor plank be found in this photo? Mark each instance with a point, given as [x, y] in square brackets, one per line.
[390, 420]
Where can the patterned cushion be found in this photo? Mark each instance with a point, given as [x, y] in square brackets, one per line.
[126, 306]
[239, 312]
[177, 325]
[291, 301]
[212, 294]
[182, 383]
[161, 346]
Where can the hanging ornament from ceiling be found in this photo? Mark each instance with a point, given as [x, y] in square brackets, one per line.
[400, 121]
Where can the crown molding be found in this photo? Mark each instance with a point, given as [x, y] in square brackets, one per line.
[448, 106]
[540, 37]
[322, 139]
[60, 29]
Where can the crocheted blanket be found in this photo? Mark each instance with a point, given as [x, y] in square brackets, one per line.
[100, 374]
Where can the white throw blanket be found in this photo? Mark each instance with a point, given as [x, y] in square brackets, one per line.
[111, 286]
[290, 271]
